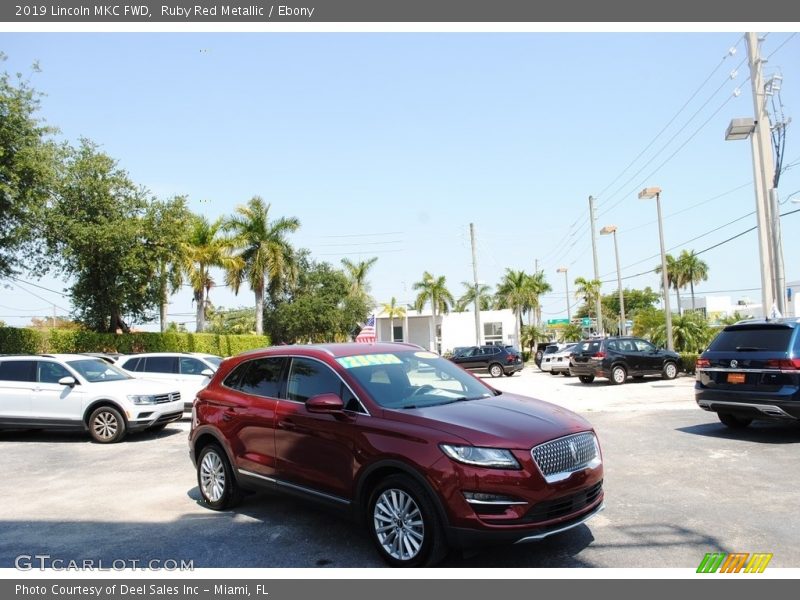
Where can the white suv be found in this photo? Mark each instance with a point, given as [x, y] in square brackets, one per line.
[69, 392]
[190, 372]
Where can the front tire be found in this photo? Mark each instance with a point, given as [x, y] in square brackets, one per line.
[107, 425]
[404, 524]
[618, 375]
[670, 371]
[495, 370]
[733, 421]
[215, 479]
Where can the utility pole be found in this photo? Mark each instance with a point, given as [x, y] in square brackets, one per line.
[477, 304]
[763, 168]
[597, 308]
[54, 316]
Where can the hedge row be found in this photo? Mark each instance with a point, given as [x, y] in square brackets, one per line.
[689, 359]
[41, 341]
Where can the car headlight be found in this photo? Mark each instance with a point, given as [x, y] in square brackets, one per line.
[142, 399]
[496, 458]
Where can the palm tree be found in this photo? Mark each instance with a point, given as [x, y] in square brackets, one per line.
[515, 292]
[571, 332]
[588, 290]
[694, 270]
[690, 332]
[483, 292]
[206, 248]
[675, 277]
[531, 336]
[539, 287]
[392, 310]
[434, 290]
[357, 274]
[265, 255]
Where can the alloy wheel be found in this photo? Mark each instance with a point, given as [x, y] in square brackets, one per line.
[105, 425]
[212, 476]
[398, 524]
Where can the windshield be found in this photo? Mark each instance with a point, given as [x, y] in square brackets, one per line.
[404, 380]
[95, 370]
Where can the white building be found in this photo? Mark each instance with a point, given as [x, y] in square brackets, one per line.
[452, 330]
[719, 307]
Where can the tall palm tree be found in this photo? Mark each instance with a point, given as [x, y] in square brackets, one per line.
[392, 310]
[515, 292]
[206, 248]
[265, 254]
[588, 290]
[467, 299]
[676, 278]
[357, 274]
[694, 270]
[539, 287]
[434, 290]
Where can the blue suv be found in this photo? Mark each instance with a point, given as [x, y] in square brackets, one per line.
[751, 370]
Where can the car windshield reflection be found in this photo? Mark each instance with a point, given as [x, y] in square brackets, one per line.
[407, 380]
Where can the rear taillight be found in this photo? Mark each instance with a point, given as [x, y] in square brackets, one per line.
[600, 354]
[511, 358]
[702, 363]
[783, 363]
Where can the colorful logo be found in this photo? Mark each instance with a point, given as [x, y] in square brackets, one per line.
[721, 562]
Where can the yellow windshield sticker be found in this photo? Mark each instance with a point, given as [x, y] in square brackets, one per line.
[368, 360]
[426, 355]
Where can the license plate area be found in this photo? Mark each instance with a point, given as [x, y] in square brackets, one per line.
[735, 378]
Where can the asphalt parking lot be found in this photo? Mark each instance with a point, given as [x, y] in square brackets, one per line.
[678, 484]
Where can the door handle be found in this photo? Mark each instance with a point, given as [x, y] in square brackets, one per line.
[287, 424]
[228, 414]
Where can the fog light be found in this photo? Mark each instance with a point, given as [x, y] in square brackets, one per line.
[485, 498]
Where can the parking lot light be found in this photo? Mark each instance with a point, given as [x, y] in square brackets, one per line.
[566, 283]
[612, 229]
[648, 194]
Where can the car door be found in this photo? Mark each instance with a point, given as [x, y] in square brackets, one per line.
[315, 451]
[159, 368]
[60, 404]
[17, 380]
[626, 351]
[466, 359]
[190, 379]
[650, 356]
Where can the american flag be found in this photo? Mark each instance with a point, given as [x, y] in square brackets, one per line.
[367, 333]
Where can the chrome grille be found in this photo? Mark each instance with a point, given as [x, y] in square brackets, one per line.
[164, 398]
[559, 458]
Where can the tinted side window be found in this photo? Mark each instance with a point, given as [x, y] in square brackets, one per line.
[234, 378]
[767, 338]
[309, 378]
[132, 364]
[161, 364]
[18, 370]
[263, 377]
[612, 345]
[643, 346]
[191, 366]
[50, 372]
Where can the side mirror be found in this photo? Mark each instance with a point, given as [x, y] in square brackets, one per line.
[207, 373]
[325, 403]
[68, 381]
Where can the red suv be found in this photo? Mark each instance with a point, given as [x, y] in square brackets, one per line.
[425, 454]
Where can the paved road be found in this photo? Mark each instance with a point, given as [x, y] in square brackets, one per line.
[678, 485]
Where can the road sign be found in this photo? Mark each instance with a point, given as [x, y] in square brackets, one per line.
[587, 322]
[557, 322]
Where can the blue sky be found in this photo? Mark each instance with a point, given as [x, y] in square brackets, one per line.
[409, 137]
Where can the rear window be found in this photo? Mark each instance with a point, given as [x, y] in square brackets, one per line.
[754, 339]
[592, 347]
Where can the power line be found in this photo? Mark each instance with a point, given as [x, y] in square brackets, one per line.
[730, 52]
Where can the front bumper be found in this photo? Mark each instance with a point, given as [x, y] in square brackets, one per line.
[465, 538]
[161, 414]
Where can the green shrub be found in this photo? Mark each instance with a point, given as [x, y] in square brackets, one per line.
[35, 341]
[526, 355]
[689, 359]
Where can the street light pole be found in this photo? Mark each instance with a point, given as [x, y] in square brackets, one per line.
[612, 229]
[597, 306]
[566, 284]
[647, 194]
